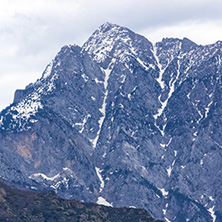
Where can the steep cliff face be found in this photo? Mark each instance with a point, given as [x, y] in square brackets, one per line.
[123, 122]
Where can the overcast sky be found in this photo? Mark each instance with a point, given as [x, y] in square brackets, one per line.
[33, 31]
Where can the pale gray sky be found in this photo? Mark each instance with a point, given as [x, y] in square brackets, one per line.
[33, 31]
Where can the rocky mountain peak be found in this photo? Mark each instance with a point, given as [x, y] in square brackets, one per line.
[123, 122]
[113, 41]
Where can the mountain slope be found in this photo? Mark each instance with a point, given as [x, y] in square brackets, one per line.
[123, 122]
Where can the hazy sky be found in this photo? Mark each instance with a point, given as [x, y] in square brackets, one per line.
[33, 31]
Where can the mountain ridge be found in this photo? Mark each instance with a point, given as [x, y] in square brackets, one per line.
[124, 120]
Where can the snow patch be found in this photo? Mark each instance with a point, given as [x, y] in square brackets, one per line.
[169, 170]
[85, 77]
[48, 70]
[83, 123]
[98, 172]
[175, 153]
[37, 175]
[211, 198]
[93, 98]
[97, 81]
[102, 201]
[67, 169]
[163, 191]
[188, 95]
[27, 107]
[212, 213]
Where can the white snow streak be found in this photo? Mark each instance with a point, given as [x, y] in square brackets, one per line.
[103, 108]
[98, 172]
[212, 213]
[208, 109]
[1, 120]
[101, 200]
[167, 220]
[167, 144]
[169, 170]
[33, 176]
[172, 89]
[159, 79]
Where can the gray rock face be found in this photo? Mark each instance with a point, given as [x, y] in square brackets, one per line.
[123, 122]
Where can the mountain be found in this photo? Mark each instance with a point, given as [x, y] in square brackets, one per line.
[123, 122]
[17, 205]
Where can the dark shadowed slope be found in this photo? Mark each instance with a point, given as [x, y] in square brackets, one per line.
[22, 206]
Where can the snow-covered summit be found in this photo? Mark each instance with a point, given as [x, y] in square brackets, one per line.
[114, 41]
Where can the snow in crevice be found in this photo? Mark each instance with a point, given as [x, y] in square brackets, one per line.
[85, 77]
[98, 81]
[207, 109]
[165, 209]
[101, 200]
[167, 220]
[164, 104]
[93, 98]
[163, 191]
[188, 95]
[161, 130]
[135, 55]
[175, 153]
[103, 108]
[164, 145]
[171, 90]
[161, 70]
[83, 123]
[98, 172]
[212, 213]
[200, 114]
[211, 198]
[1, 120]
[170, 168]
